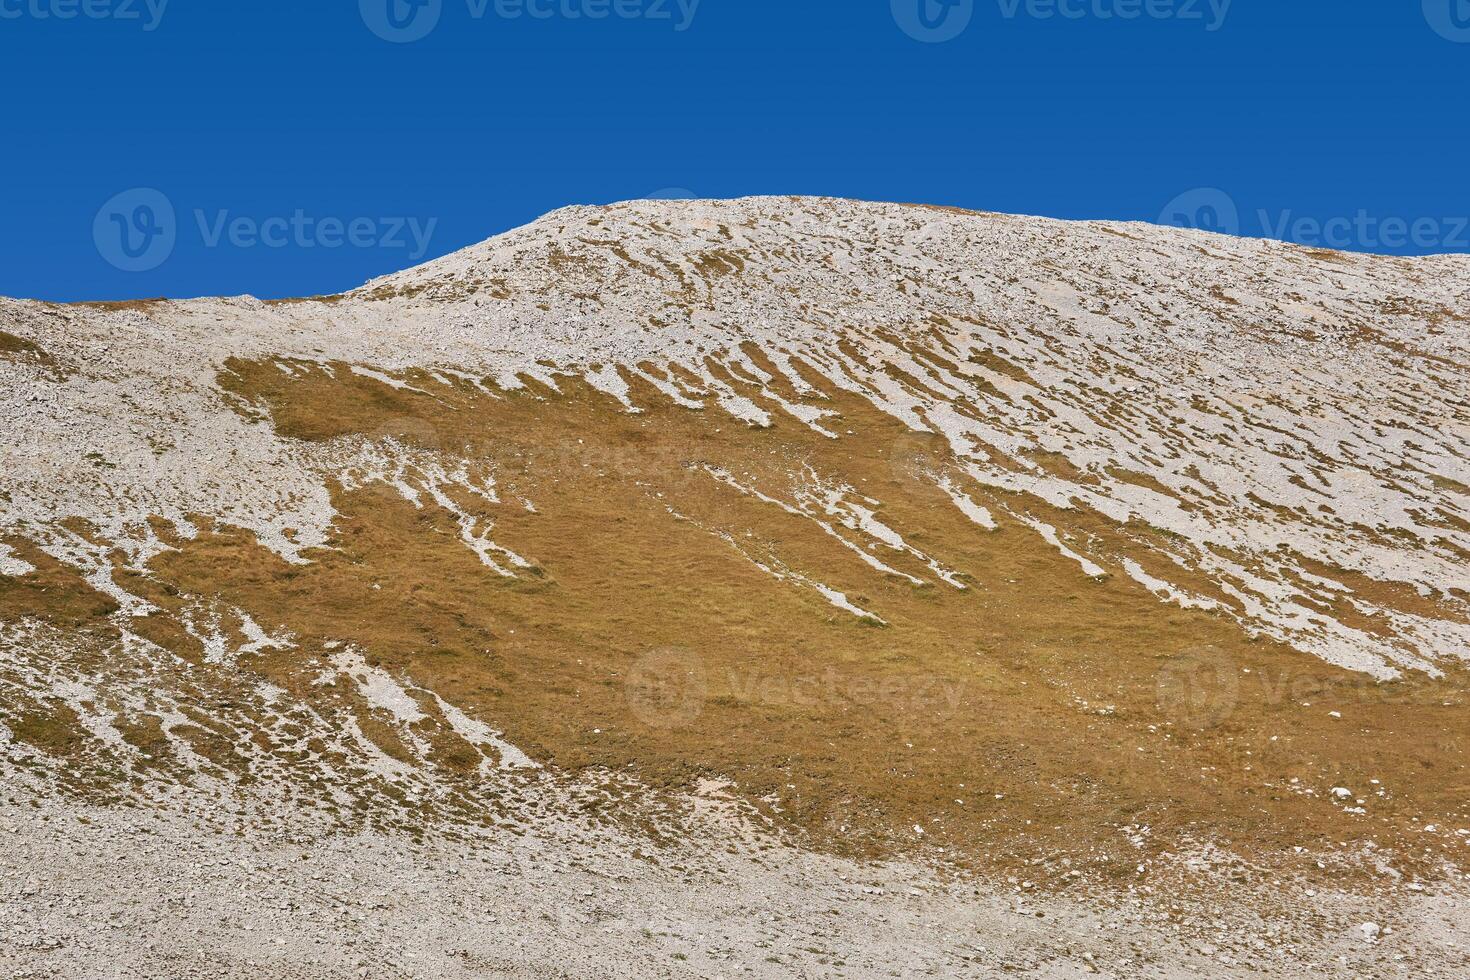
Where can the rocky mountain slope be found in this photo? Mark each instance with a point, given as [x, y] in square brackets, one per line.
[1104, 563]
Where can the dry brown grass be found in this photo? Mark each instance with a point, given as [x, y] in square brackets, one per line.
[54, 592]
[1036, 712]
[18, 347]
[117, 305]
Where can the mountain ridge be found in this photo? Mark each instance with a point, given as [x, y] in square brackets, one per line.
[908, 534]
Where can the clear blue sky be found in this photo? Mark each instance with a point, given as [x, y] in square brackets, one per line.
[259, 122]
